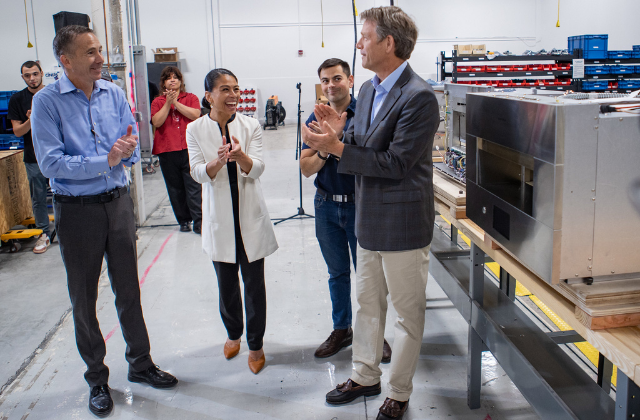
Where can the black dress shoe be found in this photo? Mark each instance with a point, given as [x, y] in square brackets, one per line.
[154, 377]
[336, 341]
[392, 410]
[184, 227]
[349, 391]
[386, 352]
[197, 228]
[100, 402]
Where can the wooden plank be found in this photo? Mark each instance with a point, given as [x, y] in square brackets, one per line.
[458, 212]
[607, 321]
[490, 242]
[453, 193]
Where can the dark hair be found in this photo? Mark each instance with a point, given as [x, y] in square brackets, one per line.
[392, 20]
[213, 76]
[166, 74]
[332, 62]
[63, 42]
[29, 64]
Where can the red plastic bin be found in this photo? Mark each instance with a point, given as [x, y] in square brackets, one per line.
[464, 69]
[562, 82]
[550, 67]
[519, 68]
[494, 69]
[564, 66]
[504, 83]
[535, 67]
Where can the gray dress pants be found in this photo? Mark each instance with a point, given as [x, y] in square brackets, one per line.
[86, 233]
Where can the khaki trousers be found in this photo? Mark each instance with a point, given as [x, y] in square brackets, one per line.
[403, 275]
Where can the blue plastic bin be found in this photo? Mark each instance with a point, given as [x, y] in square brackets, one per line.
[636, 48]
[593, 46]
[9, 141]
[635, 54]
[595, 85]
[4, 99]
[620, 54]
[621, 69]
[638, 69]
[596, 70]
[629, 84]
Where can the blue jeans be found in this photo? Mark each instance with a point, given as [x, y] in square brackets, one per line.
[335, 230]
[38, 187]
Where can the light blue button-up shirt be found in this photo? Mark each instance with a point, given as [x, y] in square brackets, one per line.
[72, 136]
[383, 88]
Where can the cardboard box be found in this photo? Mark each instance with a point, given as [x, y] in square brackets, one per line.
[479, 49]
[167, 54]
[470, 49]
[15, 199]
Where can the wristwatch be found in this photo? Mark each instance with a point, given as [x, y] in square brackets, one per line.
[322, 157]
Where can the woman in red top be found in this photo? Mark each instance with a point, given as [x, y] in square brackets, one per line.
[170, 114]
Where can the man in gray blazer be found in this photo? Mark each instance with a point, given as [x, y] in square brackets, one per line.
[388, 148]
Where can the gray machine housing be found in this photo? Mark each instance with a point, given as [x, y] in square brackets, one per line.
[550, 178]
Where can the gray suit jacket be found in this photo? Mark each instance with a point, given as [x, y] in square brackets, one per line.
[391, 159]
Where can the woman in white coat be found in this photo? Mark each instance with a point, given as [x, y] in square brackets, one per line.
[225, 153]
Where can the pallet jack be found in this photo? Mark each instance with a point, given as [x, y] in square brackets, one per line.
[12, 236]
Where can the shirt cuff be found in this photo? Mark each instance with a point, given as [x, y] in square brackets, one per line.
[100, 164]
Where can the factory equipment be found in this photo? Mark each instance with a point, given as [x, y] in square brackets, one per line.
[454, 147]
[551, 179]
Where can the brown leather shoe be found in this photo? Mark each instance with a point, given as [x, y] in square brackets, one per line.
[386, 352]
[391, 410]
[256, 365]
[349, 391]
[336, 341]
[231, 350]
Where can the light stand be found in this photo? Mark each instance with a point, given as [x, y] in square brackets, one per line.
[301, 214]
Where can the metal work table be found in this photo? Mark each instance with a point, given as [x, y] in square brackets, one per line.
[555, 386]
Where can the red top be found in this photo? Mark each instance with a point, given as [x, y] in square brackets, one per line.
[171, 136]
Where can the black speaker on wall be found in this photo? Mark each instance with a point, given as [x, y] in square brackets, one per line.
[62, 19]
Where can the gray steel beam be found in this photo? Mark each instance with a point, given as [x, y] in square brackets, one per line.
[605, 370]
[627, 398]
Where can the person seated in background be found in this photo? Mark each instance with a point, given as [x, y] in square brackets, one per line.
[225, 153]
[335, 209]
[170, 114]
[20, 116]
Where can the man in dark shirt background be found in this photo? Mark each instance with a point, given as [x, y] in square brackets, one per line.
[20, 116]
[335, 210]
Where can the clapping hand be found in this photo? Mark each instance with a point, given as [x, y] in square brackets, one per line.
[325, 113]
[223, 152]
[236, 153]
[123, 148]
[172, 96]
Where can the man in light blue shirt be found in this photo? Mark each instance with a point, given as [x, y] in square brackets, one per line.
[83, 134]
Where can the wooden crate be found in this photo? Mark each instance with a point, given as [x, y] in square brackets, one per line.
[15, 198]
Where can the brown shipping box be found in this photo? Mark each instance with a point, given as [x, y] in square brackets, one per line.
[166, 54]
[15, 200]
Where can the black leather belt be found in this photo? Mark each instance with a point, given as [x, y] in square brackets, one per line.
[349, 198]
[92, 199]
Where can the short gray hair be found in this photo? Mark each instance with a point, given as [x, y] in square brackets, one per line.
[392, 20]
[63, 42]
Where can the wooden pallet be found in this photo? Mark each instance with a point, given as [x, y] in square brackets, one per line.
[451, 195]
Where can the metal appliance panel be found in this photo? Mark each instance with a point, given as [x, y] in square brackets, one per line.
[617, 222]
[525, 126]
[529, 240]
[577, 140]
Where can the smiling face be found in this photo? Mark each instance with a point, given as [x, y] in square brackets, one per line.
[32, 76]
[373, 51]
[335, 84]
[224, 96]
[84, 62]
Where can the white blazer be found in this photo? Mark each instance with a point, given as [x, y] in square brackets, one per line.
[218, 236]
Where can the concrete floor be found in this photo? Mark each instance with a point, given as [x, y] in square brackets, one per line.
[41, 371]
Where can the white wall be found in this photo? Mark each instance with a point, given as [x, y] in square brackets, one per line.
[258, 40]
[13, 32]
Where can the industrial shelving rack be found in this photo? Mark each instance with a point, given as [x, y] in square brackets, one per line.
[458, 76]
[614, 77]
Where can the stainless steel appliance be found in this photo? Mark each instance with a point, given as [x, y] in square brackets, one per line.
[550, 178]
